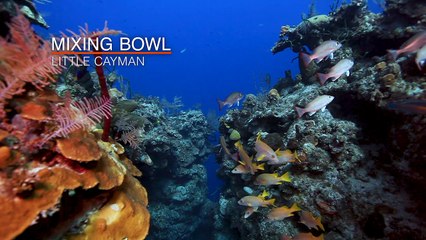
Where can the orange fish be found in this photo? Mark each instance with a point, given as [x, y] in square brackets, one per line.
[280, 213]
[268, 179]
[310, 221]
[411, 45]
[319, 103]
[233, 98]
[283, 157]
[264, 151]
[245, 157]
[224, 147]
[326, 49]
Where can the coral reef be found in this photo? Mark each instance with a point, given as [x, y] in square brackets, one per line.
[360, 163]
[58, 178]
[26, 7]
[170, 147]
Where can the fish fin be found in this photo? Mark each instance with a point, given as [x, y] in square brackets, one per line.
[299, 111]
[272, 201]
[348, 73]
[258, 135]
[255, 209]
[238, 145]
[221, 104]
[261, 167]
[393, 53]
[277, 152]
[311, 113]
[285, 177]
[295, 207]
[322, 77]
[238, 103]
[323, 109]
[241, 163]
[264, 194]
[331, 56]
[287, 151]
[305, 58]
[260, 157]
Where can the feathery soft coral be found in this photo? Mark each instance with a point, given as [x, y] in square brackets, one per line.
[24, 58]
[82, 114]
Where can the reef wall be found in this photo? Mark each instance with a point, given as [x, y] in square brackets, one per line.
[58, 178]
[171, 150]
[359, 165]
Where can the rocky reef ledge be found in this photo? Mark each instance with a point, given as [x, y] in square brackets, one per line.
[358, 167]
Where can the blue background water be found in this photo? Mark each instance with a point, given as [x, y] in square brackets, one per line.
[227, 44]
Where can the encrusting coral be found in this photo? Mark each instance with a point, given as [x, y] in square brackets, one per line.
[58, 178]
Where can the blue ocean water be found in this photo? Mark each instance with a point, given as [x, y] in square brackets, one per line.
[218, 46]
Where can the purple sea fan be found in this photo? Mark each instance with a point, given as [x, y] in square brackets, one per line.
[82, 114]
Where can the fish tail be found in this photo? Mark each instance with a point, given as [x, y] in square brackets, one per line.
[271, 201]
[221, 104]
[261, 166]
[295, 207]
[322, 77]
[285, 177]
[393, 53]
[300, 111]
[305, 58]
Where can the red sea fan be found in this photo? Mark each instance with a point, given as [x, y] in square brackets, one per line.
[83, 114]
[24, 58]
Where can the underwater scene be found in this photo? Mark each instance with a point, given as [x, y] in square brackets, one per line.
[213, 120]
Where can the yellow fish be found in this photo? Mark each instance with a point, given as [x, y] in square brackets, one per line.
[283, 157]
[264, 151]
[310, 221]
[280, 213]
[245, 157]
[256, 201]
[242, 169]
[267, 179]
